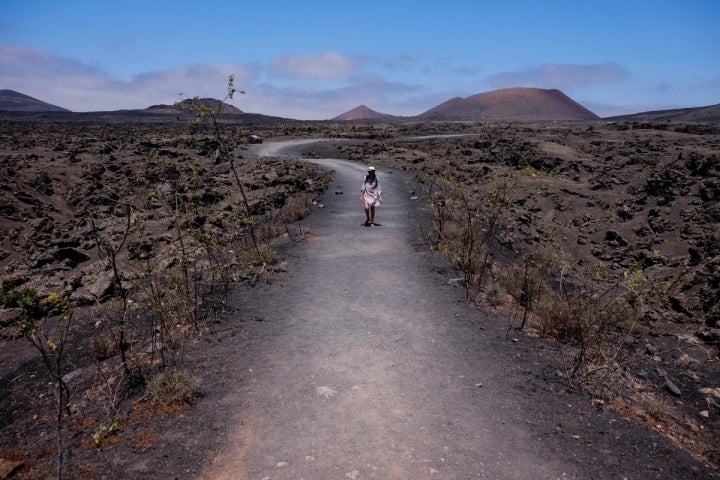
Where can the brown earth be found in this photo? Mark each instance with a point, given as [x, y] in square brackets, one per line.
[602, 201]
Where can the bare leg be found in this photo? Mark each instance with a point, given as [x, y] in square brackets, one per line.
[367, 214]
[372, 215]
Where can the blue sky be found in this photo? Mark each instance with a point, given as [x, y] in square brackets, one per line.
[317, 59]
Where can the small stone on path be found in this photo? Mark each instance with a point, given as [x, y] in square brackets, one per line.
[327, 392]
[672, 388]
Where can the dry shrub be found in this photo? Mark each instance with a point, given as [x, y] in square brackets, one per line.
[174, 386]
[495, 294]
[592, 326]
[511, 280]
[103, 347]
[295, 209]
[451, 239]
[466, 245]
[587, 321]
[661, 409]
[174, 338]
[561, 322]
[263, 255]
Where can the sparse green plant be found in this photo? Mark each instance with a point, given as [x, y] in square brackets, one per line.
[103, 430]
[598, 269]
[45, 323]
[203, 110]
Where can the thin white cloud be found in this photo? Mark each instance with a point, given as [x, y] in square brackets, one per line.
[604, 110]
[713, 83]
[661, 88]
[396, 62]
[21, 60]
[304, 87]
[466, 71]
[561, 76]
[330, 64]
[78, 87]
[309, 103]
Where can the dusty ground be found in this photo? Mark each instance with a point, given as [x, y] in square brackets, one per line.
[655, 187]
[596, 206]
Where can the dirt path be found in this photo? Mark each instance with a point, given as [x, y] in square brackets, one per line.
[362, 362]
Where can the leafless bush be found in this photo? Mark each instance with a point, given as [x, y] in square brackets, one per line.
[465, 225]
[295, 209]
[585, 316]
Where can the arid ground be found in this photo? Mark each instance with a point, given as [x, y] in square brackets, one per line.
[600, 240]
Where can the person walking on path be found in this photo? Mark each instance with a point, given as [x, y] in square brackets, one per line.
[371, 195]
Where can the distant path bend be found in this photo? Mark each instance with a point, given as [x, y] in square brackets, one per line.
[365, 364]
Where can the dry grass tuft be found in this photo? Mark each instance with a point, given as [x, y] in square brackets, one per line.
[174, 386]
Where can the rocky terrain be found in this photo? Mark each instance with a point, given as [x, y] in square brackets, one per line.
[115, 219]
[616, 217]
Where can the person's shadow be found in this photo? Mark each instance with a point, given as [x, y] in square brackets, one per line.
[366, 224]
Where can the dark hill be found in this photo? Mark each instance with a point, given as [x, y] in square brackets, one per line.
[180, 112]
[12, 101]
[696, 114]
[523, 104]
[362, 113]
[207, 102]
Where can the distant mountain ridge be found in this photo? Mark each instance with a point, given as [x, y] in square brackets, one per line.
[511, 104]
[13, 101]
[695, 114]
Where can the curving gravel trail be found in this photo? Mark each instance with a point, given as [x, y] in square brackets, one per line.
[363, 362]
